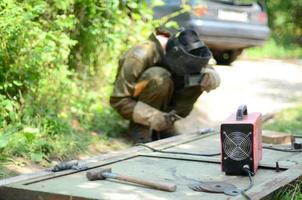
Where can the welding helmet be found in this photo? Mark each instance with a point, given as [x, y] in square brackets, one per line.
[186, 54]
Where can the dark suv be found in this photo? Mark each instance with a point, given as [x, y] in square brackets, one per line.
[226, 26]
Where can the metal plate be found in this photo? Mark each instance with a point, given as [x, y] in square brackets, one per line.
[213, 186]
[232, 191]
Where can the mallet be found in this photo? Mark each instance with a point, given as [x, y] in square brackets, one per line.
[104, 173]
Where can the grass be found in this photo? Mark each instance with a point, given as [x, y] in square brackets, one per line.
[271, 49]
[92, 146]
[289, 121]
[292, 192]
[46, 141]
[2, 163]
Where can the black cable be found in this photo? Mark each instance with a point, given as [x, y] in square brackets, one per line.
[283, 150]
[245, 195]
[177, 152]
[214, 154]
[249, 173]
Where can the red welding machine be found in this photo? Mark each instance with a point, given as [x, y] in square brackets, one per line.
[241, 143]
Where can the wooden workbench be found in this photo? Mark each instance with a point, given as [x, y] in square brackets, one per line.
[141, 162]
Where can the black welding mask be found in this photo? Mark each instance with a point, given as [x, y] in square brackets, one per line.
[185, 56]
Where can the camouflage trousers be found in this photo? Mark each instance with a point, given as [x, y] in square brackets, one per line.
[159, 92]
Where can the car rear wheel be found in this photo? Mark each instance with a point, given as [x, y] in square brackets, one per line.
[226, 57]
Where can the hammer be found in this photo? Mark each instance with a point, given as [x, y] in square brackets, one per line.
[104, 173]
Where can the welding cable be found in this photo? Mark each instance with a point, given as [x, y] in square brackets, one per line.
[245, 195]
[247, 170]
[249, 173]
[177, 152]
[280, 149]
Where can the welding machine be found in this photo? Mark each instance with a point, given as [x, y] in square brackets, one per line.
[241, 142]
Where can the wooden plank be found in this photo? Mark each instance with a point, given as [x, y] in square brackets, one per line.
[106, 158]
[264, 189]
[166, 166]
[22, 194]
[24, 177]
[181, 172]
[274, 137]
[193, 143]
[294, 158]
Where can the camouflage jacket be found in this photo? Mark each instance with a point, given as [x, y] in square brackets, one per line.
[131, 66]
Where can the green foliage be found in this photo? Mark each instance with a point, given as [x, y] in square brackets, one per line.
[291, 192]
[103, 32]
[57, 61]
[272, 49]
[285, 19]
[289, 121]
[3, 173]
[28, 48]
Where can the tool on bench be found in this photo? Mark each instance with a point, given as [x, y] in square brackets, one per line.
[105, 173]
[241, 142]
[72, 164]
[222, 186]
[215, 187]
[170, 117]
[241, 151]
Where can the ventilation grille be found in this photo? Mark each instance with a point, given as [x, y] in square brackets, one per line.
[237, 145]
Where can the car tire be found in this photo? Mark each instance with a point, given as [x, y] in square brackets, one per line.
[226, 57]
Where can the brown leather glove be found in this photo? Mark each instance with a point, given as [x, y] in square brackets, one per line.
[147, 115]
[211, 79]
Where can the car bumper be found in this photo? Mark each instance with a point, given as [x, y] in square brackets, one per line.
[226, 43]
[229, 35]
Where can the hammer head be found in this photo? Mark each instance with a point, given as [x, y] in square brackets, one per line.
[97, 174]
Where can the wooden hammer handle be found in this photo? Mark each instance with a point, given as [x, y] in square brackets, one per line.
[170, 187]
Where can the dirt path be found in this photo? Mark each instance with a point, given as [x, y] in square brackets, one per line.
[264, 86]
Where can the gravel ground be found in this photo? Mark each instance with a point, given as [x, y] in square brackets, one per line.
[265, 86]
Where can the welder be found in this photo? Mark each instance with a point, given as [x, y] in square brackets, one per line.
[159, 81]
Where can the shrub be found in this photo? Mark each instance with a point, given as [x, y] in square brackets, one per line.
[58, 60]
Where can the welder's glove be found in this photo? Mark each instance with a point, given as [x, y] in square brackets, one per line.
[149, 116]
[211, 79]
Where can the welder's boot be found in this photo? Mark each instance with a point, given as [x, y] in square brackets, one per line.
[139, 133]
[169, 133]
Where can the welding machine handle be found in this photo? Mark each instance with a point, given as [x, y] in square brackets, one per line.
[242, 110]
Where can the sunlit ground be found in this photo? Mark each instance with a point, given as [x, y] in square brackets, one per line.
[265, 86]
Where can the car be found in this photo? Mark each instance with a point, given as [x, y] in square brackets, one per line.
[226, 26]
